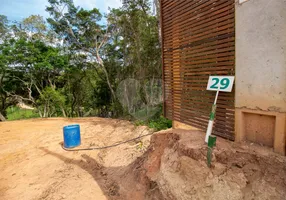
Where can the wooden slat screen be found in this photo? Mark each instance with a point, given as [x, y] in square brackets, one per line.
[198, 39]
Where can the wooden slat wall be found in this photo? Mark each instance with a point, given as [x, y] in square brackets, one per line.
[198, 39]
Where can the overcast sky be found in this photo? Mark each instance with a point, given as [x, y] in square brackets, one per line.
[19, 9]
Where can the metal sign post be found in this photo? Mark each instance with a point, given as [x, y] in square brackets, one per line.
[211, 121]
[211, 145]
[218, 84]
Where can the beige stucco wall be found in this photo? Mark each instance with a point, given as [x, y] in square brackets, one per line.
[261, 55]
[260, 95]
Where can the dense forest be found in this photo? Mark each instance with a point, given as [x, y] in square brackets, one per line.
[80, 63]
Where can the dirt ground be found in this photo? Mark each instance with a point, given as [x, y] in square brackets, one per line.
[34, 166]
[169, 165]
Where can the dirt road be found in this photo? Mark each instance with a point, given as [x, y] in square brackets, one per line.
[34, 166]
[169, 165]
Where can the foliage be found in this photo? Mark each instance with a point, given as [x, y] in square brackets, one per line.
[135, 48]
[157, 124]
[35, 25]
[52, 103]
[74, 65]
[16, 113]
[3, 25]
[160, 123]
[81, 31]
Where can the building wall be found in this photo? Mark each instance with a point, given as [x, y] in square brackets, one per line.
[261, 55]
[260, 70]
[198, 40]
[260, 98]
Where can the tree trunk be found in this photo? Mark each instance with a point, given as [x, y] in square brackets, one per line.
[2, 118]
[108, 82]
[106, 76]
[45, 110]
[40, 113]
[63, 111]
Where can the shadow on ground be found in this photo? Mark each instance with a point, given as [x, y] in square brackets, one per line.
[120, 183]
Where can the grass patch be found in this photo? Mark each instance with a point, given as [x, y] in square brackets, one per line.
[16, 113]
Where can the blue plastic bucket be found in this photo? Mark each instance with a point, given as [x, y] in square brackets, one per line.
[72, 136]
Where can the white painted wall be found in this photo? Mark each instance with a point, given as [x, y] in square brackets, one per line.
[261, 55]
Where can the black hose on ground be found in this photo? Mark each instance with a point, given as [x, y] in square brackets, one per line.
[107, 147]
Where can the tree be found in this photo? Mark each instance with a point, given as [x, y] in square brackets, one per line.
[35, 26]
[27, 69]
[7, 83]
[75, 66]
[3, 25]
[82, 32]
[51, 102]
[138, 47]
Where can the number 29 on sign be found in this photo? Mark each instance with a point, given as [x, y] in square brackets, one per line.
[220, 83]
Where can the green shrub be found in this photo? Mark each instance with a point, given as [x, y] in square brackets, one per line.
[16, 113]
[140, 123]
[160, 123]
